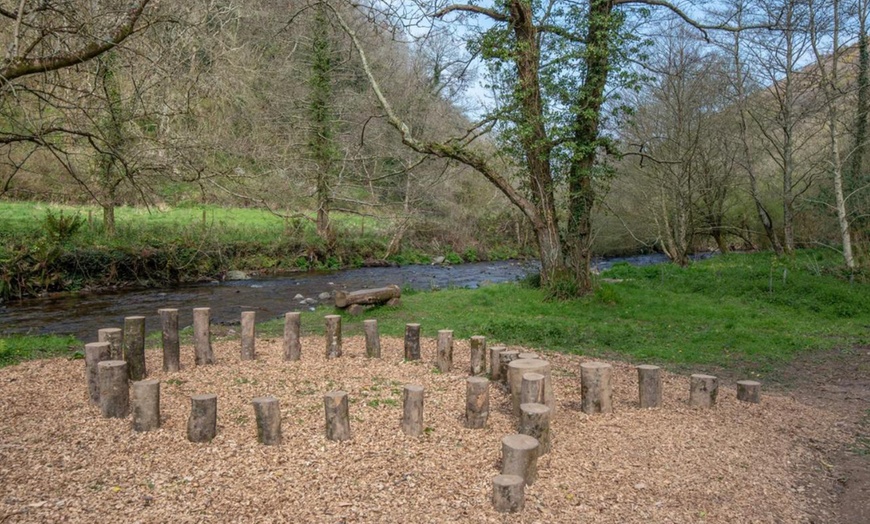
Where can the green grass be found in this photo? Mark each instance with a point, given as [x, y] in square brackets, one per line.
[17, 348]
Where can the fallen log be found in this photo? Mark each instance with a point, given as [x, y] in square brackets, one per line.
[367, 296]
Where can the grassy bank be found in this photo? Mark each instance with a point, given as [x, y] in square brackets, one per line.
[63, 248]
[751, 313]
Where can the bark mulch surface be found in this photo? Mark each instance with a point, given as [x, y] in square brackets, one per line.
[61, 462]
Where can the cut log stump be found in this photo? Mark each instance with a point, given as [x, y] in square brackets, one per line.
[95, 352]
[476, 402]
[146, 405]
[703, 390]
[202, 422]
[412, 342]
[517, 369]
[532, 389]
[504, 358]
[519, 454]
[203, 353]
[508, 493]
[749, 391]
[292, 343]
[373, 338]
[249, 335]
[337, 415]
[134, 347]
[444, 356]
[596, 395]
[412, 410]
[495, 362]
[114, 388]
[478, 355]
[268, 415]
[115, 338]
[333, 336]
[169, 332]
[649, 386]
[535, 422]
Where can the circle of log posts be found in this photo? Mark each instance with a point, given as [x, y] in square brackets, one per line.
[95, 352]
[535, 422]
[412, 341]
[373, 338]
[134, 347]
[703, 390]
[146, 405]
[202, 422]
[495, 362]
[519, 456]
[505, 358]
[749, 391]
[114, 388]
[516, 370]
[508, 493]
[412, 410]
[268, 414]
[478, 355]
[171, 348]
[249, 335]
[203, 354]
[532, 389]
[649, 386]
[444, 355]
[115, 338]
[476, 402]
[292, 329]
[595, 390]
[337, 415]
[333, 336]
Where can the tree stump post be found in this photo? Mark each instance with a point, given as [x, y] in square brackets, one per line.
[373, 338]
[337, 416]
[202, 336]
[495, 362]
[95, 352]
[114, 388]
[268, 416]
[146, 405]
[444, 356]
[535, 422]
[333, 336]
[527, 355]
[649, 386]
[115, 338]
[292, 342]
[508, 493]
[134, 347]
[517, 369]
[532, 389]
[412, 342]
[171, 348]
[749, 391]
[412, 410]
[519, 455]
[505, 358]
[596, 395]
[249, 335]
[478, 355]
[202, 423]
[703, 390]
[476, 402]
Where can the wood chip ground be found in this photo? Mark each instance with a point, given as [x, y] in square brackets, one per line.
[61, 462]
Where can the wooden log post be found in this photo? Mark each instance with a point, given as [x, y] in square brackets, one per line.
[412, 410]
[202, 422]
[703, 390]
[495, 362]
[519, 456]
[95, 352]
[333, 336]
[379, 295]
[268, 414]
[535, 422]
[517, 369]
[249, 335]
[292, 340]
[596, 395]
[337, 416]
[203, 354]
[114, 388]
[527, 355]
[649, 386]
[146, 405]
[749, 391]
[504, 359]
[373, 338]
[115, 338]
[508, 493]
[412, 342]
[444, 356]
[478, 355]
[171, 347]
[476, 402]
[532, 388]
[134, 347]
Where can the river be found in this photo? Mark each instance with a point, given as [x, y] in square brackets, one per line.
[83, 314]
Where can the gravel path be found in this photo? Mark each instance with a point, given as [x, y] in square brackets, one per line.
[61, 462]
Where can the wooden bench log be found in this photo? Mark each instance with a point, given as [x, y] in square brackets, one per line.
[378, 295]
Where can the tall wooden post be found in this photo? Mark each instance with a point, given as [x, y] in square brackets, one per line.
[146, 405]
[412, 341]
[412, 410]
[444, 356]
[202, 336]
[95, 352]
[373, 339]
[478, 355]
[249, 335]
[114, 388]
[171, 348]
[292, 341]
[595, 391]
[268, 417]
[649, 386]
[337, 415]
[115, 338]
[476, 402]
[333, 336]
[134, 347]
[202, 423]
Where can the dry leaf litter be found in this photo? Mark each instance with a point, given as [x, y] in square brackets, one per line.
[61, 462]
